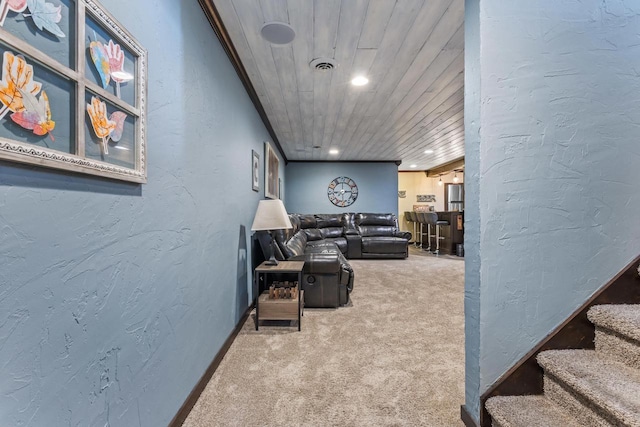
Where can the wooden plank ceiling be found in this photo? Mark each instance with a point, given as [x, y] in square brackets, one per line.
[410, 50]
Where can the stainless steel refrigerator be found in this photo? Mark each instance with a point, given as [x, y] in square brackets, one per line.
[455, 197]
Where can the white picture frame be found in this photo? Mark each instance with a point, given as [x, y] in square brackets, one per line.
[255, 171]
[78, 159]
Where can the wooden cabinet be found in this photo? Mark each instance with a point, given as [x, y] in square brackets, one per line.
[267, 309]
[280, 309]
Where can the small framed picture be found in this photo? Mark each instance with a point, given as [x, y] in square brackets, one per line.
[271, 165]
[426, 198]
[255, 171]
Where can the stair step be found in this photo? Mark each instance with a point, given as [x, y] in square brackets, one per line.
[623, 319]
[610, 389]
[618, 332]
[528, 411]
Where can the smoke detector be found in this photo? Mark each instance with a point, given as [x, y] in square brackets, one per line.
[323, 64]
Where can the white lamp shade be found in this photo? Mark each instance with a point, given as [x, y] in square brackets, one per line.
[271, 215]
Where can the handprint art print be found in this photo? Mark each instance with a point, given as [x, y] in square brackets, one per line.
[43, 119]
[109, 62]
[108, 128]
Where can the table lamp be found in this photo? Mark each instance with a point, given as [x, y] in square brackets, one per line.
[271, 215]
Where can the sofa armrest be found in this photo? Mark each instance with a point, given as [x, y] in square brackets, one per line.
[354, 246]
[326, 262]
[404, 234]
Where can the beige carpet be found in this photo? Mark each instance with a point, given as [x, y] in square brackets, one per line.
[395, 357]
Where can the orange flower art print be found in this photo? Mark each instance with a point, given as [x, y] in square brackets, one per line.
[18, 93]
[37, 114]
[17, 77]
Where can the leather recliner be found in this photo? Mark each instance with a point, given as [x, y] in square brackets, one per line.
[378, 236]
[327, 277]
[325, 241]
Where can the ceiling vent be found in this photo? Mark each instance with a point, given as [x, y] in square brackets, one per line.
[323, 64]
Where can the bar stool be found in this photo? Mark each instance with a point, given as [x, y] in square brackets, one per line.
[407, 217]
[414, 219]
[432, 219]
[422, 220]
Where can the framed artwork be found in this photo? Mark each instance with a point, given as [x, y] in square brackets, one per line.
[255, 171]
[271, 166]
[73, 89]
[426, 198]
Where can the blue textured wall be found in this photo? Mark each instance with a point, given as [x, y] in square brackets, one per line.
[558, 165]
[472, 204]
[307, 184]
[114, 298]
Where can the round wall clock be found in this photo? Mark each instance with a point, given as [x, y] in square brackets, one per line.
[342, 191]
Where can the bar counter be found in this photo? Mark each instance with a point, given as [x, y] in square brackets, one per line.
[453, 233]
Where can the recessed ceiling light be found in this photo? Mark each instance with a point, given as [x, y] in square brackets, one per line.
[359, 81]
[333, 151]
[413, 166]
[277, 33]
[428, 151]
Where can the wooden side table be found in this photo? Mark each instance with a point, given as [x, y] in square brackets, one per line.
[281, 311]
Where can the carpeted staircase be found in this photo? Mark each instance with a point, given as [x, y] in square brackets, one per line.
[598, 387]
